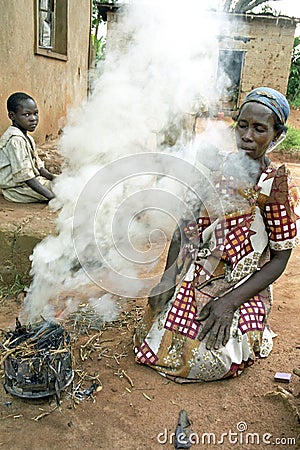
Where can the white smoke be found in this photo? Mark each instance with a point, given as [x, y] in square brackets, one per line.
[105, 307]
[162, 56]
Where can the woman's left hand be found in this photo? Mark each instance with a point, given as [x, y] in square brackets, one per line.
[218, 314]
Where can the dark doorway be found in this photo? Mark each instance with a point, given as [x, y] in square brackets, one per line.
[231, 65]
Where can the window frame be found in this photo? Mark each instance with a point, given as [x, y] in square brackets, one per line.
[51, 51]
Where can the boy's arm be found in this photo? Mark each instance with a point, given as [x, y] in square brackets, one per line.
[34, 184]
[46, 174]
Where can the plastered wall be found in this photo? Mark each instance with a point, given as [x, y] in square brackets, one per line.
[56, 85]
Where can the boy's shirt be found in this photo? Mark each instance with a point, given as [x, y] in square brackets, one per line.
[19, 159]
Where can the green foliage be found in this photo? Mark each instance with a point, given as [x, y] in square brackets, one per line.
[292, 140]
[98, 44]
[100, 48]
[17, 286]
[96, 18]
[293, 90]
[266, 9]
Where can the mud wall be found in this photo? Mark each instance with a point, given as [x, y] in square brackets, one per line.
[56, 84]
[267, 43]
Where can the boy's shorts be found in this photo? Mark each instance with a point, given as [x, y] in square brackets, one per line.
[24, 194]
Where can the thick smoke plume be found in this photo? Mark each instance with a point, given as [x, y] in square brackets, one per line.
[129, 158]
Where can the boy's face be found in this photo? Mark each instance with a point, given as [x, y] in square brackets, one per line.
[27, 116]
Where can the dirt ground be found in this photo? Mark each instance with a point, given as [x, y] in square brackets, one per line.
[138, 409]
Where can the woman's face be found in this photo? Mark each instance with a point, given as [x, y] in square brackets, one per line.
[255, 130]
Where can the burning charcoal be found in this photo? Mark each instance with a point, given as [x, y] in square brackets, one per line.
[20, 334]
[38, 361]
[19, 328]
[87, 392]
[90, 390]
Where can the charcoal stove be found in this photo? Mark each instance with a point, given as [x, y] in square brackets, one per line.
[37, 360]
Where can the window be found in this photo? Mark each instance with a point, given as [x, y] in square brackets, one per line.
[52, 28]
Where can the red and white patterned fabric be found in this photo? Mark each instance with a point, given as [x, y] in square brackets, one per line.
[232, 247]
[181, 316]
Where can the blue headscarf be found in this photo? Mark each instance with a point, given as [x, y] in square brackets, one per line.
[272, 99]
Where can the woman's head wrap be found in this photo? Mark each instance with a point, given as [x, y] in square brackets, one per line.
[272, 99]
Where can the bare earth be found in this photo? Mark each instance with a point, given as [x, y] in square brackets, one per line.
[138, 409]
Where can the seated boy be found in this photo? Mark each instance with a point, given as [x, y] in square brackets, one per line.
[23, 177]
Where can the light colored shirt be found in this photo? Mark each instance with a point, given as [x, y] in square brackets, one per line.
[19, 159]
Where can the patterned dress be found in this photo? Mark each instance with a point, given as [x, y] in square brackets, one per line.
[232, 247]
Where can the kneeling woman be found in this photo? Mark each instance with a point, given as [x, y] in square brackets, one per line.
[213, 323]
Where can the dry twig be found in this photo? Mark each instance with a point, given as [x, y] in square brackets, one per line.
[288, 397]
[44, 414]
